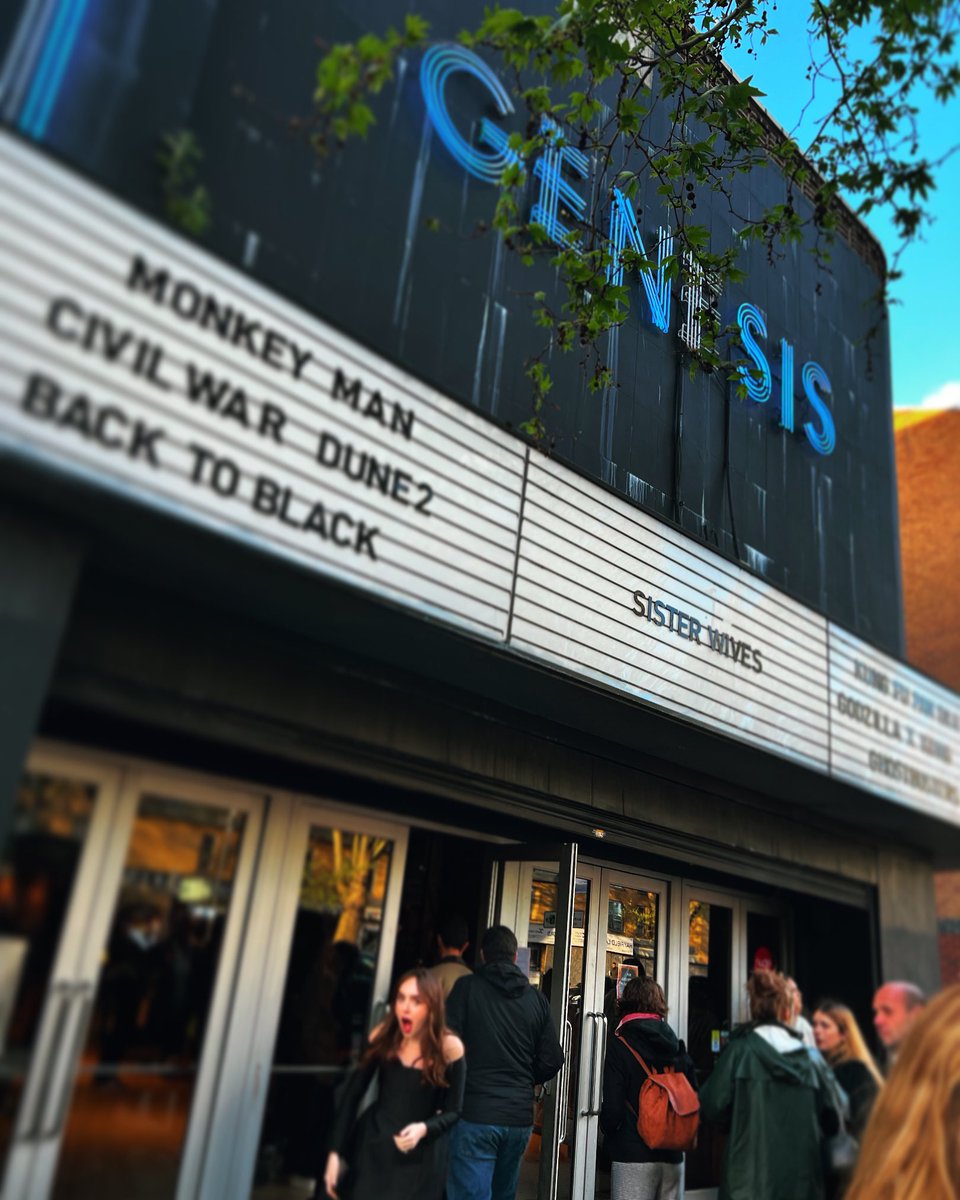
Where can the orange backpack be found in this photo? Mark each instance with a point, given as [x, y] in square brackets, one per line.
[668, 1109]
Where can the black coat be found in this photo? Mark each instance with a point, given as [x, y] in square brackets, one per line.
[510, 1042]
[861, 1088]
[659, 1047]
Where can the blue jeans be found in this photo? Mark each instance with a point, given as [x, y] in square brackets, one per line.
[485, 1160]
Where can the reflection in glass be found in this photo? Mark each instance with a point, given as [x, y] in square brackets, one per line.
[631, 942]
[763, 941]
[49, 823]
[128, 1118]
[326, 1003]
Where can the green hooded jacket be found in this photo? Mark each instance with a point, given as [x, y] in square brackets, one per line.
[778, 1099]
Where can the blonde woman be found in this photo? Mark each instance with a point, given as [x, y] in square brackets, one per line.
[841, 1043]
[911, 1149]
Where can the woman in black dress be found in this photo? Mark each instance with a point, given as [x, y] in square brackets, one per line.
[397, 1149]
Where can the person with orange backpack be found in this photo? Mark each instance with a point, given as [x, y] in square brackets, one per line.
[650, 1111]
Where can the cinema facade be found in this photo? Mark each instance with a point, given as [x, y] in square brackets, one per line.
[305, 646]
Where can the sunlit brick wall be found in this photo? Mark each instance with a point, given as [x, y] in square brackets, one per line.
[928, 471]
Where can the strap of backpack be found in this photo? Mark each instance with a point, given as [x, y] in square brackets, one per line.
[633, 1052]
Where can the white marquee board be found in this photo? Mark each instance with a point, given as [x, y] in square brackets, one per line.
[134, 357]
[892, 730]
[607, 591]
[140, 363]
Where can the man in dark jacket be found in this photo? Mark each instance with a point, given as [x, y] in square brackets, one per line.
[511, 1046]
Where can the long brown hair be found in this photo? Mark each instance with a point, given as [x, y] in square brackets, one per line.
[911, 1149]
[853, 1044]
[385, 1043]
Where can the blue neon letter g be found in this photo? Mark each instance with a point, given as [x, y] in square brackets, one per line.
[438, 64]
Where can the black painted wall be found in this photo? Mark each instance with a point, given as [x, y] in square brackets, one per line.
[348, 238]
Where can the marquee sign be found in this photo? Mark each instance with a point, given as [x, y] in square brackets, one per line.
[140, 364]
[892, 731]
[606, 591]
[145, 364]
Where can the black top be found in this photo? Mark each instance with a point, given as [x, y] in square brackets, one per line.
[623, 1077]
[510, 1040]
[861, 1088]
[376, 1169]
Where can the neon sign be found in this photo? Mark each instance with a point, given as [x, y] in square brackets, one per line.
[439, 63]
[558, 170]
[624, 228]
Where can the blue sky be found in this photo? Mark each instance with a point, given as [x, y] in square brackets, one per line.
[924, 339]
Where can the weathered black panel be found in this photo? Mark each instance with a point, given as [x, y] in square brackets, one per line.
[347, 238]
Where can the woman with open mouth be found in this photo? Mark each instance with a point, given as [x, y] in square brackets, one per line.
[397, 1149]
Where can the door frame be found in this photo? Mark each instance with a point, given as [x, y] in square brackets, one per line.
[74, 980]
[63, 997]
[248, 1046]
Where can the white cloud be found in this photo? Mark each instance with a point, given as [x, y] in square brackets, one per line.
[947, 396]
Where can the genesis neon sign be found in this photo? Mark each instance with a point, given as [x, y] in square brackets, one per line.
[558, 171]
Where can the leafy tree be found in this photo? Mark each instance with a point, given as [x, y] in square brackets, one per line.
[640, 88]
[186, 203]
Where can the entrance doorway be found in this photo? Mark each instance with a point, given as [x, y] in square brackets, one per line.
[726, 936]
[189, 967]
[122, 899]
[618, 927]
[699, 943]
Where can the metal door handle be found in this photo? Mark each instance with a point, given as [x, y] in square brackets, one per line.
[45, 1057]
[591, 1087]
[63, 1076]
[601, 1058]
[563, 1098]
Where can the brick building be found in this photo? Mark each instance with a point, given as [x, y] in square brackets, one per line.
[928, 467]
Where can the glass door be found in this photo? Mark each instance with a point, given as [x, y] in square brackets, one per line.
[61, 822]
[627, 937]
[713, 1005]
[315, 978]
[128, 1046]
[535, 891]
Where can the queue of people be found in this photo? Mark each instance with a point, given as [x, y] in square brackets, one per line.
[455, 1077]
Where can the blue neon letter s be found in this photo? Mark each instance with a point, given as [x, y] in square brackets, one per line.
[751, 321]
[824, 439]
[439, 63]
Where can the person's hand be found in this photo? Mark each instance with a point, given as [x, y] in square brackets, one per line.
[332, 1174]
[410, 1136]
